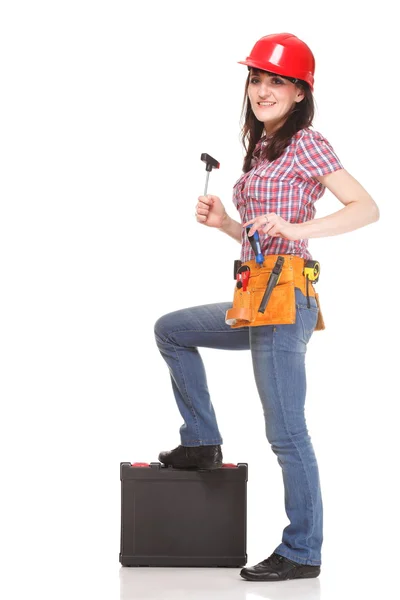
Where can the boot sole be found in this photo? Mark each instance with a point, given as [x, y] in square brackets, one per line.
[304, 576]
[212, 467]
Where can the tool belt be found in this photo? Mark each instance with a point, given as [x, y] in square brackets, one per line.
[281, 305]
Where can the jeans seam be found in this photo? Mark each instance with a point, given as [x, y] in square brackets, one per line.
[209, 443]
[302, 324]
[186, 393]
[291, 438]
[168, 338]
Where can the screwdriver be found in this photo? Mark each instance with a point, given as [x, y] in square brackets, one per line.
[255, 244]
[211, 163]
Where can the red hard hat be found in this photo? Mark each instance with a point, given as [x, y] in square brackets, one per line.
[284, 54]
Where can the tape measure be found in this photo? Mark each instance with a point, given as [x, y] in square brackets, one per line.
[312, 270]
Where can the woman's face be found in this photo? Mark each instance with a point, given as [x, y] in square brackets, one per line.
[271, 98]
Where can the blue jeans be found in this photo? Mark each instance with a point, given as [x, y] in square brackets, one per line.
[278, 355]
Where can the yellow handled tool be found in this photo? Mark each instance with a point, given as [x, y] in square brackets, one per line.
[311, 272]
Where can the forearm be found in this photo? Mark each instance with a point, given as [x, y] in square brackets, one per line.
[231, 228]
[351, 217]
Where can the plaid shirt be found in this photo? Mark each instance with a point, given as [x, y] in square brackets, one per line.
[285, 186]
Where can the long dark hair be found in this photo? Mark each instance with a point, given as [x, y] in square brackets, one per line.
[301, 116]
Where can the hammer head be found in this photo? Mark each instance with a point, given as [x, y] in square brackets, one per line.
[211, 163]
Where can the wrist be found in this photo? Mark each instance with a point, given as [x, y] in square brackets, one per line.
[300, 230]
[225, 222]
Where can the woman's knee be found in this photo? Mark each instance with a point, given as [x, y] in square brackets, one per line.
[167, 324]
[163, 327]
[282, 436]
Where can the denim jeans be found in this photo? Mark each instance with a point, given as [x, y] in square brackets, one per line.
[278, 356]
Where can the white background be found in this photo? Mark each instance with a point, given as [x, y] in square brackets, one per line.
[105, 110]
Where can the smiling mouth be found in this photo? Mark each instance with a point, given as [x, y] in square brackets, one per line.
[266, 104]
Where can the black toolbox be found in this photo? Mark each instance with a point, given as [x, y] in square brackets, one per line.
[183, 518]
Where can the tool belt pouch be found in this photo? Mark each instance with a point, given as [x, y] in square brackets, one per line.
[281, 307]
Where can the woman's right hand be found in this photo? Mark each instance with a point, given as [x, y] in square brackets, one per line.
[210, 211]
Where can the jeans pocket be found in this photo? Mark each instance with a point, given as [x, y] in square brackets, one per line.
[308, 318]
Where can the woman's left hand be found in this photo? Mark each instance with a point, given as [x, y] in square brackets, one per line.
[274, 226]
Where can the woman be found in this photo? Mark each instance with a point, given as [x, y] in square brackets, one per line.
[287, 167]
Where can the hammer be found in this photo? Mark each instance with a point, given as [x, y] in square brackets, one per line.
[211, 163]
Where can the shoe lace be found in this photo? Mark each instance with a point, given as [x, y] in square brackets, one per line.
[274, 559]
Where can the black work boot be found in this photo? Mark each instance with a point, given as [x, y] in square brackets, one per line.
[194, 457]
[279, 568]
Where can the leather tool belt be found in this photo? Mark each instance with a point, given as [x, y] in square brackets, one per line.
[281, 306]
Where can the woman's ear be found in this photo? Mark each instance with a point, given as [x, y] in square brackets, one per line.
[300, 96]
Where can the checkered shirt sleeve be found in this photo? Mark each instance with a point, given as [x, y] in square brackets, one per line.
[315, 156]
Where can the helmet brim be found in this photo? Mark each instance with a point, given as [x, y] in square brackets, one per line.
[264, 67]
[268, 66]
